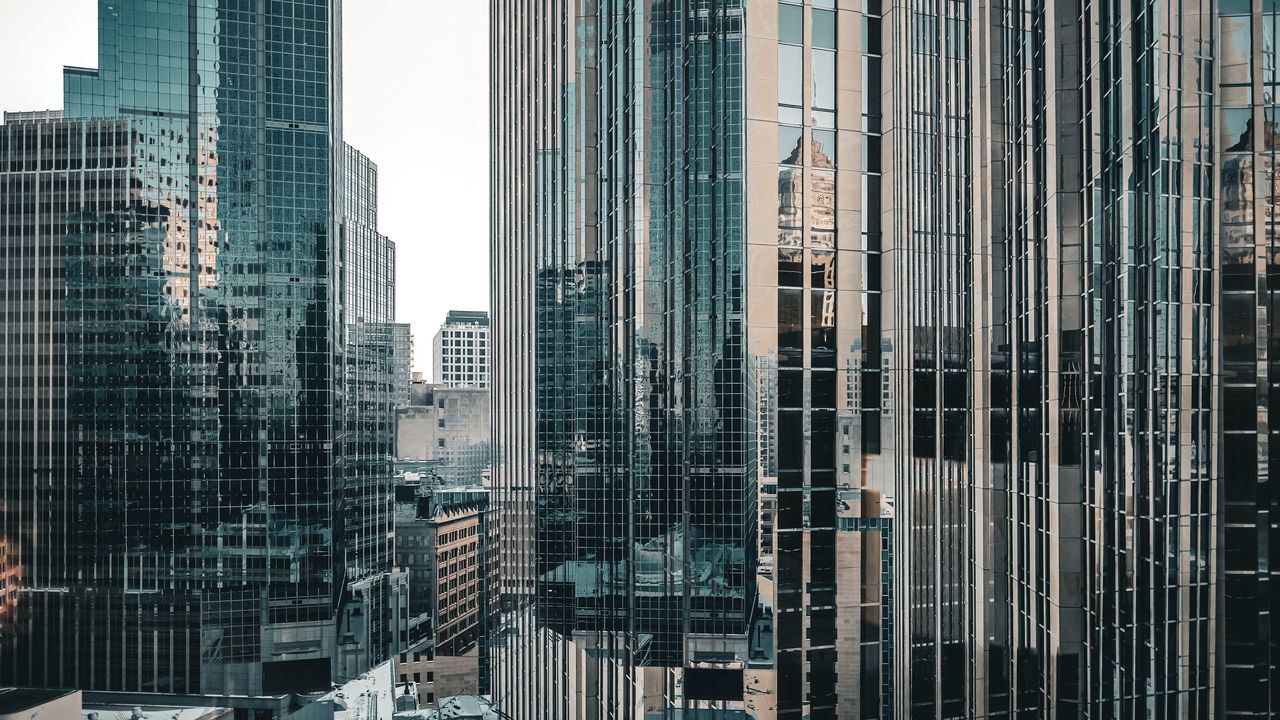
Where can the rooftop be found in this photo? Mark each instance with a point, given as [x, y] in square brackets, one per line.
[369, 697]
[467, 317]
[153, 713]
[457, 707]
[32, 116]
[15, 700]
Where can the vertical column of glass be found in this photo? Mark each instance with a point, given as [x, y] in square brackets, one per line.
[1268, 425]
[871, 234]
[806, 457]
[791, 392]
[875, 694]
[1246, 248]
[821, 278]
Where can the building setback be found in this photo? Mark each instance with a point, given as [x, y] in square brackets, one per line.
[976, 297]
[197, 425]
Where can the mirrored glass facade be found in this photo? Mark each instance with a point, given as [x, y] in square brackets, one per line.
[624, 464]
[197, 416]
[1004, 328]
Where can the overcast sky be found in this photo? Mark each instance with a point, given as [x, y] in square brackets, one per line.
[416, 102]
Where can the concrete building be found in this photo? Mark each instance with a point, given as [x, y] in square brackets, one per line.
[462, 350]
[437, 676]
[33, 704]
[448, 424]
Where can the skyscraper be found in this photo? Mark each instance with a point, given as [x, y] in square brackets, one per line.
[462, 349]
[625, 466]
[197, 417]
[975, 295]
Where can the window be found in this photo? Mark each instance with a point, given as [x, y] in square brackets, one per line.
[790, 24]
[790, 75]
[824, 29]
[789, 144]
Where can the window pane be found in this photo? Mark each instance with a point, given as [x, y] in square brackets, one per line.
[791, 24]
[1234, 129]
[823, 271]
[824, 29]
[791, 267]
[824, 149]
[790, 75]
[789, 137]
[1237, 46]
[822, 212]
[824, 79]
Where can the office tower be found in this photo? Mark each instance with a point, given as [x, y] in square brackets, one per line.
[365, 394]
[988, 285]
[1053, 295]
[197, 431]
[462, 349]
[623, 437]
[815, 332]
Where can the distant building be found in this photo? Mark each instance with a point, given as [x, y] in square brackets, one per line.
[443, 541]
[441, 547]
[446, 424]
[462, 350]
[401, 363]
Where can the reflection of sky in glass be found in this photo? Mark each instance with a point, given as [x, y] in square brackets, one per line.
[1269, 49]
[1236, 50]
[1234, 123]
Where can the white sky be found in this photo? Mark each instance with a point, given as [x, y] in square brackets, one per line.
[415, 101]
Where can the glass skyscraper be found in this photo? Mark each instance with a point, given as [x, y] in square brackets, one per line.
[624, 467]
[198, 423]
[964, 307]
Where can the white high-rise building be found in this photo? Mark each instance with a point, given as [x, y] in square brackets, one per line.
[462, 349]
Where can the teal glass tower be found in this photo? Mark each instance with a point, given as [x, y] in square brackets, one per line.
[197, 404]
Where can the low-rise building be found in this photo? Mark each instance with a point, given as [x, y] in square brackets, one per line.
[435, 676]
[443, 540]
[446, 425]
[439, 546]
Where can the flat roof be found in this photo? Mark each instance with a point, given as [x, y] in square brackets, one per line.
[14, 700]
